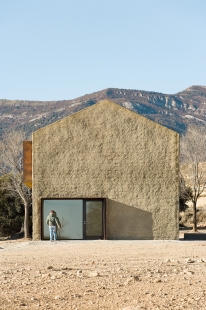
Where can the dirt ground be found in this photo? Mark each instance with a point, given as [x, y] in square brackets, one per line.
[102, 274]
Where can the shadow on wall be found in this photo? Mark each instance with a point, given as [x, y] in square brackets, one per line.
[127, 222]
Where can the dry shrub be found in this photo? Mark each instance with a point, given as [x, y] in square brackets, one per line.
[186, 218]
[201, 216]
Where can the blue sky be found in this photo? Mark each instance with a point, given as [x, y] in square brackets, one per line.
[63, 49]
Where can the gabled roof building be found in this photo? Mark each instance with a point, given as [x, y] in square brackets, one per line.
[109, 173]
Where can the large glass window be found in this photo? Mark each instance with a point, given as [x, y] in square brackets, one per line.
[70, 214]
[79, 218]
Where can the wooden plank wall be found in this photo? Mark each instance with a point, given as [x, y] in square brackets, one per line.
[27, 163]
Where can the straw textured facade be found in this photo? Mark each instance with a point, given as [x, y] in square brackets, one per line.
[107, 151]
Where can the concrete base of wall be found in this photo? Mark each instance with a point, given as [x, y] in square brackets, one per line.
[195, 236]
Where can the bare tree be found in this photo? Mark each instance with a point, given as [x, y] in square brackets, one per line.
[193, 168]
[11, 166]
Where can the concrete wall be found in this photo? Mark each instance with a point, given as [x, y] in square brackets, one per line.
[108, 151]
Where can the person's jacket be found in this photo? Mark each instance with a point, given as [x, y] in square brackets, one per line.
[53, 220]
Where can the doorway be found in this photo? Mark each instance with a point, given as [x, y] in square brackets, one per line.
[81, 219]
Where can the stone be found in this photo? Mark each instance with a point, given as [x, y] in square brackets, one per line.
[201, 260]
[45, 275]
[79, 273]
[190, 272]
[157, 280]
[94, 273]
[88, 292]
[129, 280]
[190, 261]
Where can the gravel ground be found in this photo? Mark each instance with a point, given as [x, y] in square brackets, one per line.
[101, 274]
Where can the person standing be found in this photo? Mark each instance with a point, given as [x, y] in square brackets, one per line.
[53, 221]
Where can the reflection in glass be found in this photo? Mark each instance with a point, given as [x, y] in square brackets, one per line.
[70, 214]
[93, 218]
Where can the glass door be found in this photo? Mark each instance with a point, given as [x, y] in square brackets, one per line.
[93, 219]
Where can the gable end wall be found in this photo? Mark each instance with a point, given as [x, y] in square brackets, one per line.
[107, 151]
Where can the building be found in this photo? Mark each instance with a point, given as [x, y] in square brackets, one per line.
[109, 173]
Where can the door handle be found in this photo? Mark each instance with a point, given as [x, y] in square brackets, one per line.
[85, 222]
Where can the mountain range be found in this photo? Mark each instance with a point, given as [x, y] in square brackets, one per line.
[173, 111]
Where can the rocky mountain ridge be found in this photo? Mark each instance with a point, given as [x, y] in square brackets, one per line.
[173, 111]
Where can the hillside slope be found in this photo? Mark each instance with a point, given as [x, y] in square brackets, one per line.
[173, 111]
